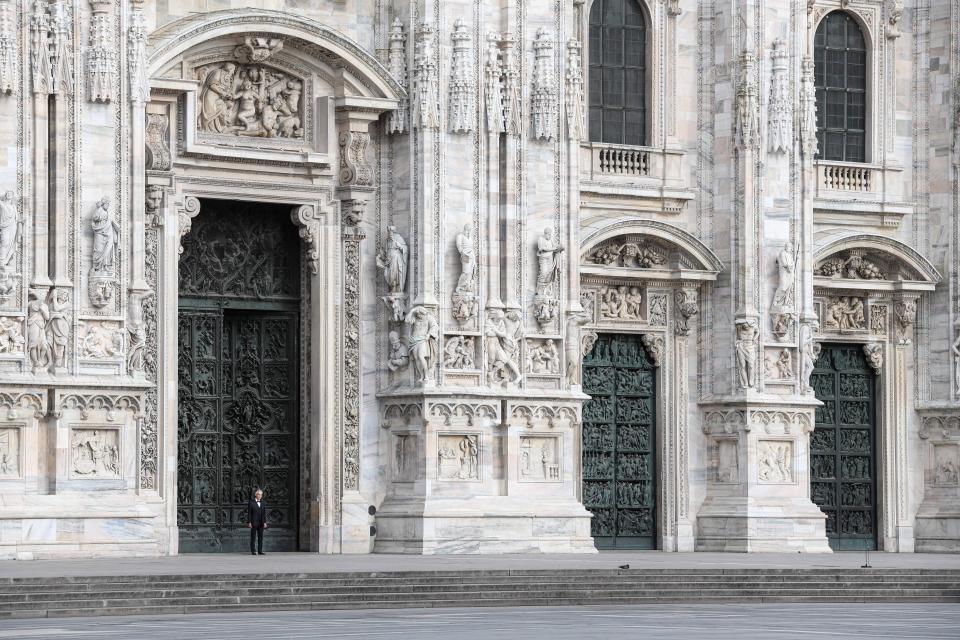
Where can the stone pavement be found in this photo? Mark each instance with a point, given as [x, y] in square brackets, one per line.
[209, 564]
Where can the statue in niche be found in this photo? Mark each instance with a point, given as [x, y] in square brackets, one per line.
[38, 345]
[458, 353]
[502, 333]
[9, 229]
[422, 343]
[746, 350]
[468, 260]
[106, 232]
[786, 268]
[548, 261]
[58, 328]
[399, 356]
[392, 259]
[809, 352]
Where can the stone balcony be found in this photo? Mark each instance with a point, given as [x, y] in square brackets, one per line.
[860, 194]
[643, 178]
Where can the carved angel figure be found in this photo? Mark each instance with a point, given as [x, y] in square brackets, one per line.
[392, 259]
[9, 229]
[105, 234]
[422, 343]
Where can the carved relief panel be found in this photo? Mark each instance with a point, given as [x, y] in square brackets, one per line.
[11, 453]
[95, 453]
[540, 457]
[458, 457]
[775, 461]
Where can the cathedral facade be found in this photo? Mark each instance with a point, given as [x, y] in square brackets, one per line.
[479, 277]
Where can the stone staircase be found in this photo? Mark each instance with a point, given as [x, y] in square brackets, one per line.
[164, 594]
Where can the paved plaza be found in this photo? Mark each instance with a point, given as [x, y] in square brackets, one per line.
[663, 622]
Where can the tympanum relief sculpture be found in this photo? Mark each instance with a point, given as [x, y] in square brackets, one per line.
[95, 453]
[458, 353]
[464, 297]
[250, 99]
[545, 303]
[642, 254]
[392, 261]
[844, 313]
[11, 227]
[106, 236]
[502, 346]
[422, 343]
[458, 457]
[853, 264]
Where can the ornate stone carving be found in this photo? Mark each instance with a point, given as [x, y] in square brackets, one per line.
[8, 47]
[539, 458]
[11, 226]
[425, 80]
[392, 260]
[354, 168]
[95, 453]
[40, 48]
[155, 140]
[543, 356]
[685, 301]
[350, 362]
[780, 115]
[574, 348]
[399, 357]
[673, 8]
[106, 236]
[397, 65]
[10, 452]
[99, 339]
[458, 353]
[249, 100]
[493, 87]
[783, 297]
[874, 354]
[905, 313]
[946, 466]
[11, 336]
[809, 353]
[643, 254]
[575, 124]
[58, 328]
[621, 303]
[512, 110]
[878, 319]
[845, 313]
[59, 40]
[746, 351]
[657, 315]
[101, 55]
[459, 457]
[894, 13]
[464, 298]
[748, 104]
[137, 53]
[502, 346]
[808, 107]
[543, 95]
[307, 219]
[153, 206]
[955, 347]
[186, 212]
[423, 343]
[654, 344]
[136, 332]
[255, 50]
[780, 365]
[545, 301]
[38, 344]
[463, 94]
[775, 461]
[782, 324]
[853, 264]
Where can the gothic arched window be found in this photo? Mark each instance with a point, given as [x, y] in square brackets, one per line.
[840, 63]
[618, 72]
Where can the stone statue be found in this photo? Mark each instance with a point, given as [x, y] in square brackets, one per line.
[58, 328]
[468, 260]
[746, 350]
[105, 235]
[809, 352]
[217, 99]
[9, 229]
[786, 266]
[956, 363]
[502, 347]
[548, 261]
[423, 342]
[393, 260]
[572, 346]
[399, 357]
[38, 345]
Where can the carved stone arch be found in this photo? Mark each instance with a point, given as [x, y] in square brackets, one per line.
[877, 259]
[363, 75]
[666, 252]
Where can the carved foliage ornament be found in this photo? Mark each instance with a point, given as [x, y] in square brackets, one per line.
[641, 254]
[854, 264]
[463, 95]
[543, 99]
[354, 168]
[8, 46]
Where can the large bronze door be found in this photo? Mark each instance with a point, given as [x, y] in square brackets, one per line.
[843, 445]
[238, 390]
[619, 434]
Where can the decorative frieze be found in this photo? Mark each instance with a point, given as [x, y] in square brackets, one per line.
[425, 80]
[8, 46]
[397, 65]
[780, 108]
[543, 95]
[462, 90]
[575, 98]
[101, 54]
[493, 86]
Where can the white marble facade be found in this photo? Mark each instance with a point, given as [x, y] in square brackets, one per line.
[464, 243]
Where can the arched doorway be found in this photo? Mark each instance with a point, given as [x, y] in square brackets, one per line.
[239, 412]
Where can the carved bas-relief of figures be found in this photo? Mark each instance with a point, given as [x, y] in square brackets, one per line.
[95, 453]
[106, 236]
[458, 353]
[503, 345]
[543, 356]
[844, 313]
[10, 453]
[775, 461]
[746, 352]
[458, 458]
[38, 344]
[620, 303]
[780, 365]
[392, 261]
[946, 472]
[99, 340]
[399, 357]
[10, 230]
[539, 458]
[11, 336]
[249, 99]
[464, 298]
[423, 343]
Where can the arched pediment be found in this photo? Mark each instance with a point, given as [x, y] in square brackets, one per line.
[648, 249]
[872, 261]
[363, 75]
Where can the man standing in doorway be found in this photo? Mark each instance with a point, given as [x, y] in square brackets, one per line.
[257, 521]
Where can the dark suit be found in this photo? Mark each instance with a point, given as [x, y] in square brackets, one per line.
[257, 519]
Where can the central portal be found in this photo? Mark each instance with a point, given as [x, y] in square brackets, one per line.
[238, 355]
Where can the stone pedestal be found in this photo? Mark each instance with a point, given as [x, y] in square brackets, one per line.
[758, 492]
[464, 479]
